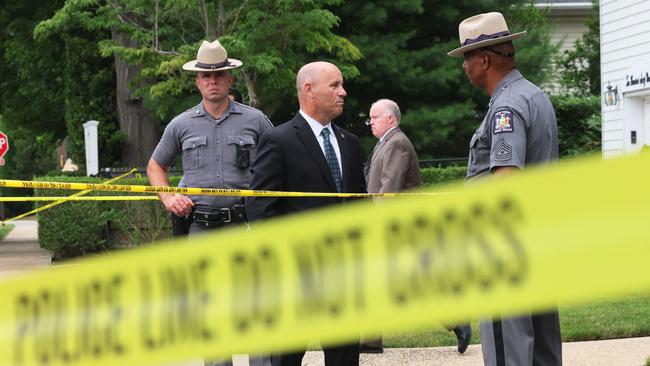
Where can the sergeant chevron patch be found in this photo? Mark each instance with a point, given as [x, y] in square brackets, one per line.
[503, 151]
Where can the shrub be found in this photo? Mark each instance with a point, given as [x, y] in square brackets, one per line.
[578, 122]
[437, 176]
[76, 228]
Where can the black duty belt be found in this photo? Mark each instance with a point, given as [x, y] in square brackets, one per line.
[212, 217]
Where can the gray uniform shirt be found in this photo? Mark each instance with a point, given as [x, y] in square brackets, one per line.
[519, 129]
[208, 148]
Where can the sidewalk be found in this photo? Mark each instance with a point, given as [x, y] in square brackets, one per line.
[20, 251]
[616, 352]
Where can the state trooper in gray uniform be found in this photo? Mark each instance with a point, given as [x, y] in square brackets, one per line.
[217, 140]
[519, 129]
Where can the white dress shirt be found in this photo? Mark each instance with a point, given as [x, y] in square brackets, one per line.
[386, 133]
[317, 128]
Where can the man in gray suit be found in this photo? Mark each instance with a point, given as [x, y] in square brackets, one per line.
[393, 167]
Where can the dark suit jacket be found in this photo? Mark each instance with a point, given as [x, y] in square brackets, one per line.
[393, 166]
[289, 158]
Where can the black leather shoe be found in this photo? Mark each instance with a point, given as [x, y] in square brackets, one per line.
[464, 335]
[366, 348]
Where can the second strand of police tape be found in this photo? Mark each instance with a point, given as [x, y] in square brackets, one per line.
[9, 183]
[57, 200]
[523, 244]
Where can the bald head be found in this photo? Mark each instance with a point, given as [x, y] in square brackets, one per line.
[320, 90]
[311, 72]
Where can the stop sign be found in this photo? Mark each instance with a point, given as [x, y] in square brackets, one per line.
[4, 146]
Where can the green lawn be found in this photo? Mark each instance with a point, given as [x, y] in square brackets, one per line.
[620, 318]
[5, 229]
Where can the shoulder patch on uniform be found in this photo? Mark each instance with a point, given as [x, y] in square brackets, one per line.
[502, 122]
[503, 151]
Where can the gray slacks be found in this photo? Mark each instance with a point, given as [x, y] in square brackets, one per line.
[253, 361]
[526, 340]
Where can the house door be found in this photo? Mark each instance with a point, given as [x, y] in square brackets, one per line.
[636, 117]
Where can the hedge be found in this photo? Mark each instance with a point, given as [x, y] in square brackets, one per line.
[77, 228]
[578, 123]
[436, 176]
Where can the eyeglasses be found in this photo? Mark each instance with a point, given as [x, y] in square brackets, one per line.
[367, 122]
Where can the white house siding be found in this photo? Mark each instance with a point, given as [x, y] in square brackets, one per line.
[568, 30]
[568, 20]
[625, 48]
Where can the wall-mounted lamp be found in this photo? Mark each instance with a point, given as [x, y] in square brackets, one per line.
[611, 96]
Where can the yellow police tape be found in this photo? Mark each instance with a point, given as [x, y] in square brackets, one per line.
[9, 183]
[58, 202]
[572, 232]
[79, 198]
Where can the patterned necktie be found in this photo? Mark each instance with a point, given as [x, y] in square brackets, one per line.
[332, 161]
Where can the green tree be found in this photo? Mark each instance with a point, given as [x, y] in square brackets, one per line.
[49, 88]
[580, 65]
[577, 105]
[29, 102]
[150, 40]
[405, 45]
[118, 61]
[89, 94]
[30, 97]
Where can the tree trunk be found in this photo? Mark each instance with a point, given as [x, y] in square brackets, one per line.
[221, 19]
[141, 128]
[253, 99]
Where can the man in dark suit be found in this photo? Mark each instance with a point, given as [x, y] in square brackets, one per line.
[309, 154]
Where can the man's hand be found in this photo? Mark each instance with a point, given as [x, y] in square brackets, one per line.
[177, 204]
